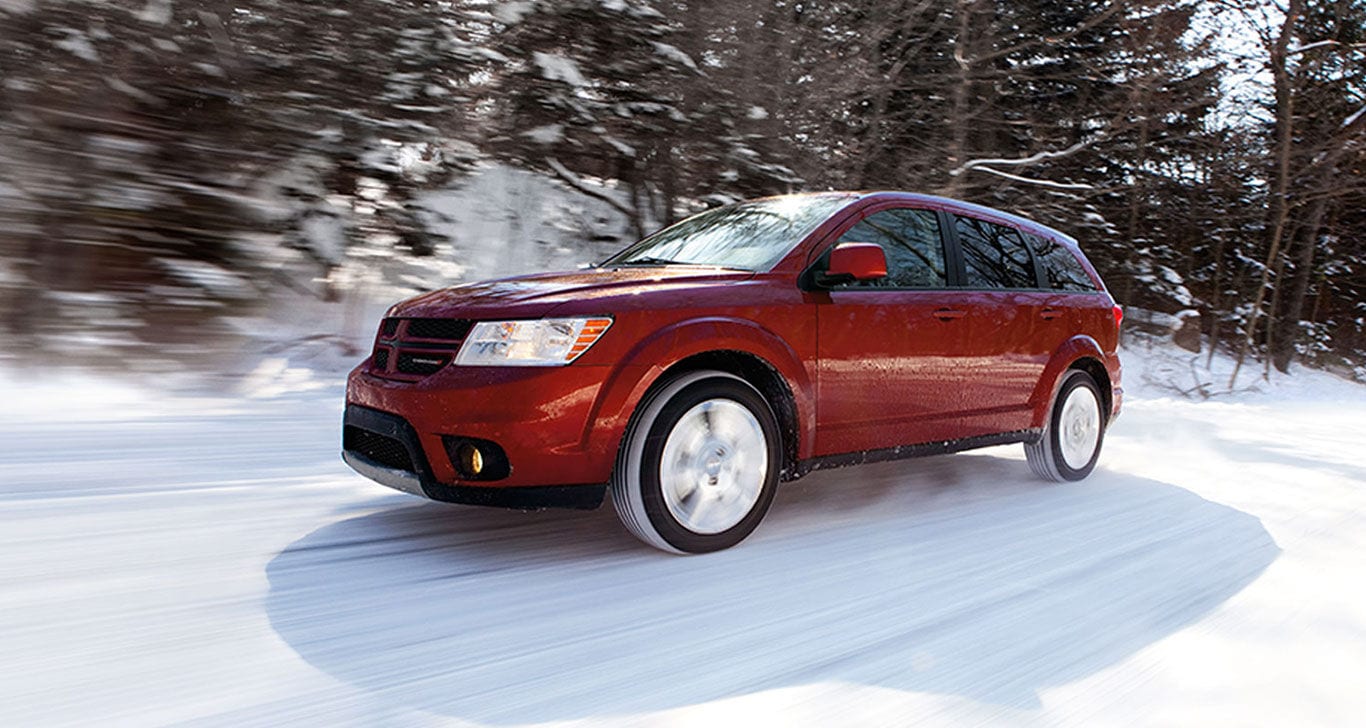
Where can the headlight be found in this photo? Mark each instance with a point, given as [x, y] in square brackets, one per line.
[542, 343]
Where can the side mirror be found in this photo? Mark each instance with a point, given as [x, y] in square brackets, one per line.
[854, 262]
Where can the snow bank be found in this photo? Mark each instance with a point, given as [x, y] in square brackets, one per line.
[1154, 370]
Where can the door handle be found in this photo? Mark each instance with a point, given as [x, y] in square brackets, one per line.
[949, 314]
[1048, 314]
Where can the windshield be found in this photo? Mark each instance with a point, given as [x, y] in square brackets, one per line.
[748, 236]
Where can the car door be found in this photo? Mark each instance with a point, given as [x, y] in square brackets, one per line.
[890, 352]
[1013, 328]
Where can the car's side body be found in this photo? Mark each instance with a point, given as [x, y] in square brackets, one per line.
[852, 374]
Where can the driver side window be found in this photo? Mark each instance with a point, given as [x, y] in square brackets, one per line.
[911, 241]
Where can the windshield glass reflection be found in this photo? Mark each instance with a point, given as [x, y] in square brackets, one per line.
[750, 236]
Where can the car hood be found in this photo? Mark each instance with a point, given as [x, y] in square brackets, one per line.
[534, 296]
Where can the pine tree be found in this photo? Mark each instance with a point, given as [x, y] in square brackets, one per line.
[588, 88]
[150, 141]
[1329, 79]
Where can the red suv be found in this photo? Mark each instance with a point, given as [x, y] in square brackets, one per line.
[747, 345]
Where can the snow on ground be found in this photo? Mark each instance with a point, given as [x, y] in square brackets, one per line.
[171, 559]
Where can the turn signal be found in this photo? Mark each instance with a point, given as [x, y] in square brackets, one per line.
[592, 330]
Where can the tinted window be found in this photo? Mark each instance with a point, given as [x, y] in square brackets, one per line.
[910, 239]
[995, 255]
[749, 236]
[1062, 271]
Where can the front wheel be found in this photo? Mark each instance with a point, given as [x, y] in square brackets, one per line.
[699, 465]
[1070, 444]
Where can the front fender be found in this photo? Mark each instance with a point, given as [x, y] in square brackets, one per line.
[645, 362]
[1077, 347]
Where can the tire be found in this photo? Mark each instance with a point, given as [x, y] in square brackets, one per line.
[699, 464]
[1070, 444]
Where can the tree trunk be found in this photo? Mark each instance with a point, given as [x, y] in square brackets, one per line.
[963, 54]
[1136, 197]
[1216, 299]
[871, 153]
[1288, 325]
[1280, 204]
[637, 217]
[669, 186]
[1275, 306]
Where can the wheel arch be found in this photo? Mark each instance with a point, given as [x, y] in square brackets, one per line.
[1096, 369]
[1081, 353]
[758, 373]
[737, 346]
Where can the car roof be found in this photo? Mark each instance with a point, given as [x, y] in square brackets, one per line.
[981, 211]
[990, 214]
[948, 204]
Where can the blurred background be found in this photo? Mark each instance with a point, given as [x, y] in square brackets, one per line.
[205, 207]
[186, 187]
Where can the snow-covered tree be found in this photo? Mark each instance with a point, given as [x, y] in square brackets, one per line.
[148, 147]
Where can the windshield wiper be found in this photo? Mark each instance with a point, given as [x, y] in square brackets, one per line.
[651, 261]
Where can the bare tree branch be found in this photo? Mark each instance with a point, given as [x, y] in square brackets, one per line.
[1037, 182]
[1323, 44]
[1031, 159]
[579, 185]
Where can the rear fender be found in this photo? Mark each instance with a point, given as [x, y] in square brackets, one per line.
[1077, 347]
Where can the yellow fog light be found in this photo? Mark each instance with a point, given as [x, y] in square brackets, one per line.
[471, 460]
[474, 459]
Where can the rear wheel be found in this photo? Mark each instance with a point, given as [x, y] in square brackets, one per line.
[1070, 444]
[699, 465]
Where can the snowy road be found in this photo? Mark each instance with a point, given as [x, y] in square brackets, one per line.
[212, 561]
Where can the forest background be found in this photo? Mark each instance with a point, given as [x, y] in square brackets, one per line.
[181, 180]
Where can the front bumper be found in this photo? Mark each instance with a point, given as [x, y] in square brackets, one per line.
[385, 448]
[556, 425]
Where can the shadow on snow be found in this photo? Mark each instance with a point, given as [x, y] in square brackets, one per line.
[952, 575]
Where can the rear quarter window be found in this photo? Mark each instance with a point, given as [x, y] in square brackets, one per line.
[1061, 269]
[994, 256]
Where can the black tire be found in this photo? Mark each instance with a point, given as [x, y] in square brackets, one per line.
[1049, 456]
[638, 490]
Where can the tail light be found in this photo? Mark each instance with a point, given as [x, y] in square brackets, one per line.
[1119, 315]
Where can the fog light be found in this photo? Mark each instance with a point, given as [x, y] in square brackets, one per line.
[475, 459]
[471, 460]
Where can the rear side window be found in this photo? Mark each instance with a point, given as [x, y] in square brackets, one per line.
[1061, 269]
[911, 241]
[995, 255]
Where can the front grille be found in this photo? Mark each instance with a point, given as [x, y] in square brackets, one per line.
[380, 448]
[408, 348]
[445, 329]
[415, 363]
